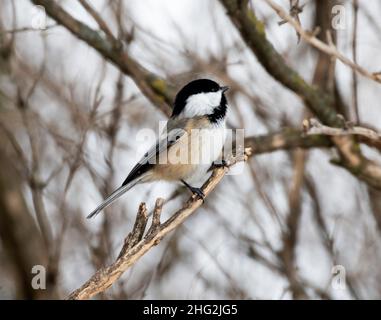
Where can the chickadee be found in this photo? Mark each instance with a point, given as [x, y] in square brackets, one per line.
[192, 140]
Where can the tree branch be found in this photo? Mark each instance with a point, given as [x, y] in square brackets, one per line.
[20, 238]
[286, 139]
[313, 126]
[329, 48]
[152, 86]
[101, 23]
[319, 102]
[253, 33]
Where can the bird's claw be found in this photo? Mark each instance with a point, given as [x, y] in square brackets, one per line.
[196, 191]
[199, 193]
[220, 164]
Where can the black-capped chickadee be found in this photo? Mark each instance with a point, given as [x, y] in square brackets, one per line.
[192, 140]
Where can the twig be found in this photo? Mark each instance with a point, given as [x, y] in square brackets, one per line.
[152, 86]
[354, 57]
[295, 10]
[155, 226]
[313, 126]
[291, 236]
[28, 29]
[137, 231]
[101, 23]
[329, 48]
[318, 101]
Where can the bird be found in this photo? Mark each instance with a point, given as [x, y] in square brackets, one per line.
[191, 141]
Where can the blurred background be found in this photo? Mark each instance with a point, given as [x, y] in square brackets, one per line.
[68, 125]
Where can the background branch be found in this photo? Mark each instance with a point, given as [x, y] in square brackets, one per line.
[153, 87]
[329, 48]
[319, 102]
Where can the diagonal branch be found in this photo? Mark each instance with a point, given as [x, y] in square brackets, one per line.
[253, 33]
[152, 86]
[101, 23]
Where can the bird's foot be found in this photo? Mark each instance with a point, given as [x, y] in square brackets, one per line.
[220, 164]
[198, 192]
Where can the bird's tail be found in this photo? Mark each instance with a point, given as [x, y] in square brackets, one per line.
[113, 196]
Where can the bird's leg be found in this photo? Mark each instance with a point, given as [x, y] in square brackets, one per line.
[196, 191]
[219, 164]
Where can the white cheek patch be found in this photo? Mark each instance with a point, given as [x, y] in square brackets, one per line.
[201, 104]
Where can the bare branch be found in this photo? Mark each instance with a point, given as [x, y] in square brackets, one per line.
[137, 231]
[19, 234]
[153, 87]
[101, 23]
[27, 29]
[318, 101]
[329, 48]
[253, 33]
[355, 6]
[156, 217]
[314, 126]
[290, 237]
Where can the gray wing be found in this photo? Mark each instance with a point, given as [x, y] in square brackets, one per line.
[173, 132]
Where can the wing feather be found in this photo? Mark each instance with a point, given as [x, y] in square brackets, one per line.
[170, 137]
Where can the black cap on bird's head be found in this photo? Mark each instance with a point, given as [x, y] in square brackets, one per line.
[201, 96]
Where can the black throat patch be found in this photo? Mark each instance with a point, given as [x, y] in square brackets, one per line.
[219, 112]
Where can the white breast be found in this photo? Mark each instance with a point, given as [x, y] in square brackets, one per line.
[212, 141]
[206, 147]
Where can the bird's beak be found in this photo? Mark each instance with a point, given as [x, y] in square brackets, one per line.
[223, 89]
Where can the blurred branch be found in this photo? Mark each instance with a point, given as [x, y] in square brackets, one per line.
[152, 86]
[27, 29]
[35, 182]
[286, 139]
[329, 48]
[253, 33]
[295, 10]
[327, 238]
[313, 126]
[290, 237]
[324, 73]
[101, 23]
[355, 7]
[20, 236]
[320, 103]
